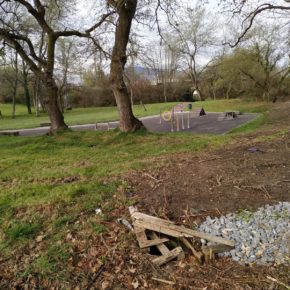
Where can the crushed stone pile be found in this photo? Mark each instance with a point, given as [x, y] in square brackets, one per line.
[262, 237]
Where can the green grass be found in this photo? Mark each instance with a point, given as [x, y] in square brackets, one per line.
[233, 105]
[70, 175]
[100, 114]
[45, 169]
[51, 186]
[22, 230]
[51, 262]
[251, 125]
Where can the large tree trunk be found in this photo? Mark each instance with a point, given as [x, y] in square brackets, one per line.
[52, 107]
[128, 122]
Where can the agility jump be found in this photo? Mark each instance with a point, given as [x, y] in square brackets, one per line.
[177, 116]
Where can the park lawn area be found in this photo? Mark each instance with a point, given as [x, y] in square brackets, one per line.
[101, 114]
[52, 185]
[49, 182]
[84, 157]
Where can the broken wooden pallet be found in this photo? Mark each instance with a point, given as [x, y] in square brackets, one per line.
[143, 222]
[169, 228]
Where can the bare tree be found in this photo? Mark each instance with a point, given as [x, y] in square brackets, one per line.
[42, 65]
[162, 62]
[126, 12]
[270, 59]
[194, 36]
[67, 58]
[24, 80]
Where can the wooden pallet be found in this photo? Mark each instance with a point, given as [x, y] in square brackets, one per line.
[152, 231]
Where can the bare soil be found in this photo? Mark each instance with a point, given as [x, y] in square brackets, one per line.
[245, 175]
[250, 172]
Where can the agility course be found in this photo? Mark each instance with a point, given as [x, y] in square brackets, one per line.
[186, 118]
[180, 116]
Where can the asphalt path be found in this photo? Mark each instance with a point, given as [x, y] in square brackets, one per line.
[211, 123]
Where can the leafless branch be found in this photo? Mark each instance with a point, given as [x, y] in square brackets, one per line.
[251, 18]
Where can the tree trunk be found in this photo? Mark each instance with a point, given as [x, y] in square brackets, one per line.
[36, 96]
[15, 86]
[128, 122]
[51, 106]
[26, 89]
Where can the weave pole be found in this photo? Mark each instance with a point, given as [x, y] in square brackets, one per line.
[172, 120]
[182, 120]
[188, 120]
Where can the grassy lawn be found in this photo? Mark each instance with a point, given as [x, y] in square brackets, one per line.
[92, 115]
[51, 186]
[47, 183]
[82, 156]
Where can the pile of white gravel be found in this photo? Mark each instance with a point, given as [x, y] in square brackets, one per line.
[262, 237]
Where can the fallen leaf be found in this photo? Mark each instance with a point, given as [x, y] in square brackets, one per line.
[135, 284]
[39, 239]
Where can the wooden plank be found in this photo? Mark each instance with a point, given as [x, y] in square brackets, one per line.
[151, 243]
[162, 248]
[217, 248]
[141, 236]
[167, 257]
[144, 242]
[158, 225]
[196, 254]
[143, 216]
[209, 255]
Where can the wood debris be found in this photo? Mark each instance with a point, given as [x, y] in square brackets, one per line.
[152, 231]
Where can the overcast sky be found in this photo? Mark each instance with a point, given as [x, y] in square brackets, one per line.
[228, 29]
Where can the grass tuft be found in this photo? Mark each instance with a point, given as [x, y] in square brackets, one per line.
[22, 230]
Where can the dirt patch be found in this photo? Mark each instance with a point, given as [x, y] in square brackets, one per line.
[252, 171]
[246, 175]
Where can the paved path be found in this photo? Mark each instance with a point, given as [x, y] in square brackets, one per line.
[212, 123]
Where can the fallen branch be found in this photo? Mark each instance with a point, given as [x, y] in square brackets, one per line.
[164, 281]
[278, 282]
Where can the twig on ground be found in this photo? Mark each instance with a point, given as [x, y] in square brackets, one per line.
[219, 179]
[152, 177]
[259, 187]
[164, 281]
[214, 158]
[104, 242]
[278, 282]
[96, 276]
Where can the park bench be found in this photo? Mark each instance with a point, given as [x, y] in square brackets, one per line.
[45, 124]
[231, 115]
[6, 133]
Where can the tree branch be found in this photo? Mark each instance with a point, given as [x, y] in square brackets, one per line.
[39, 14]
[251, 17]
[25, 39]
[16, 45]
